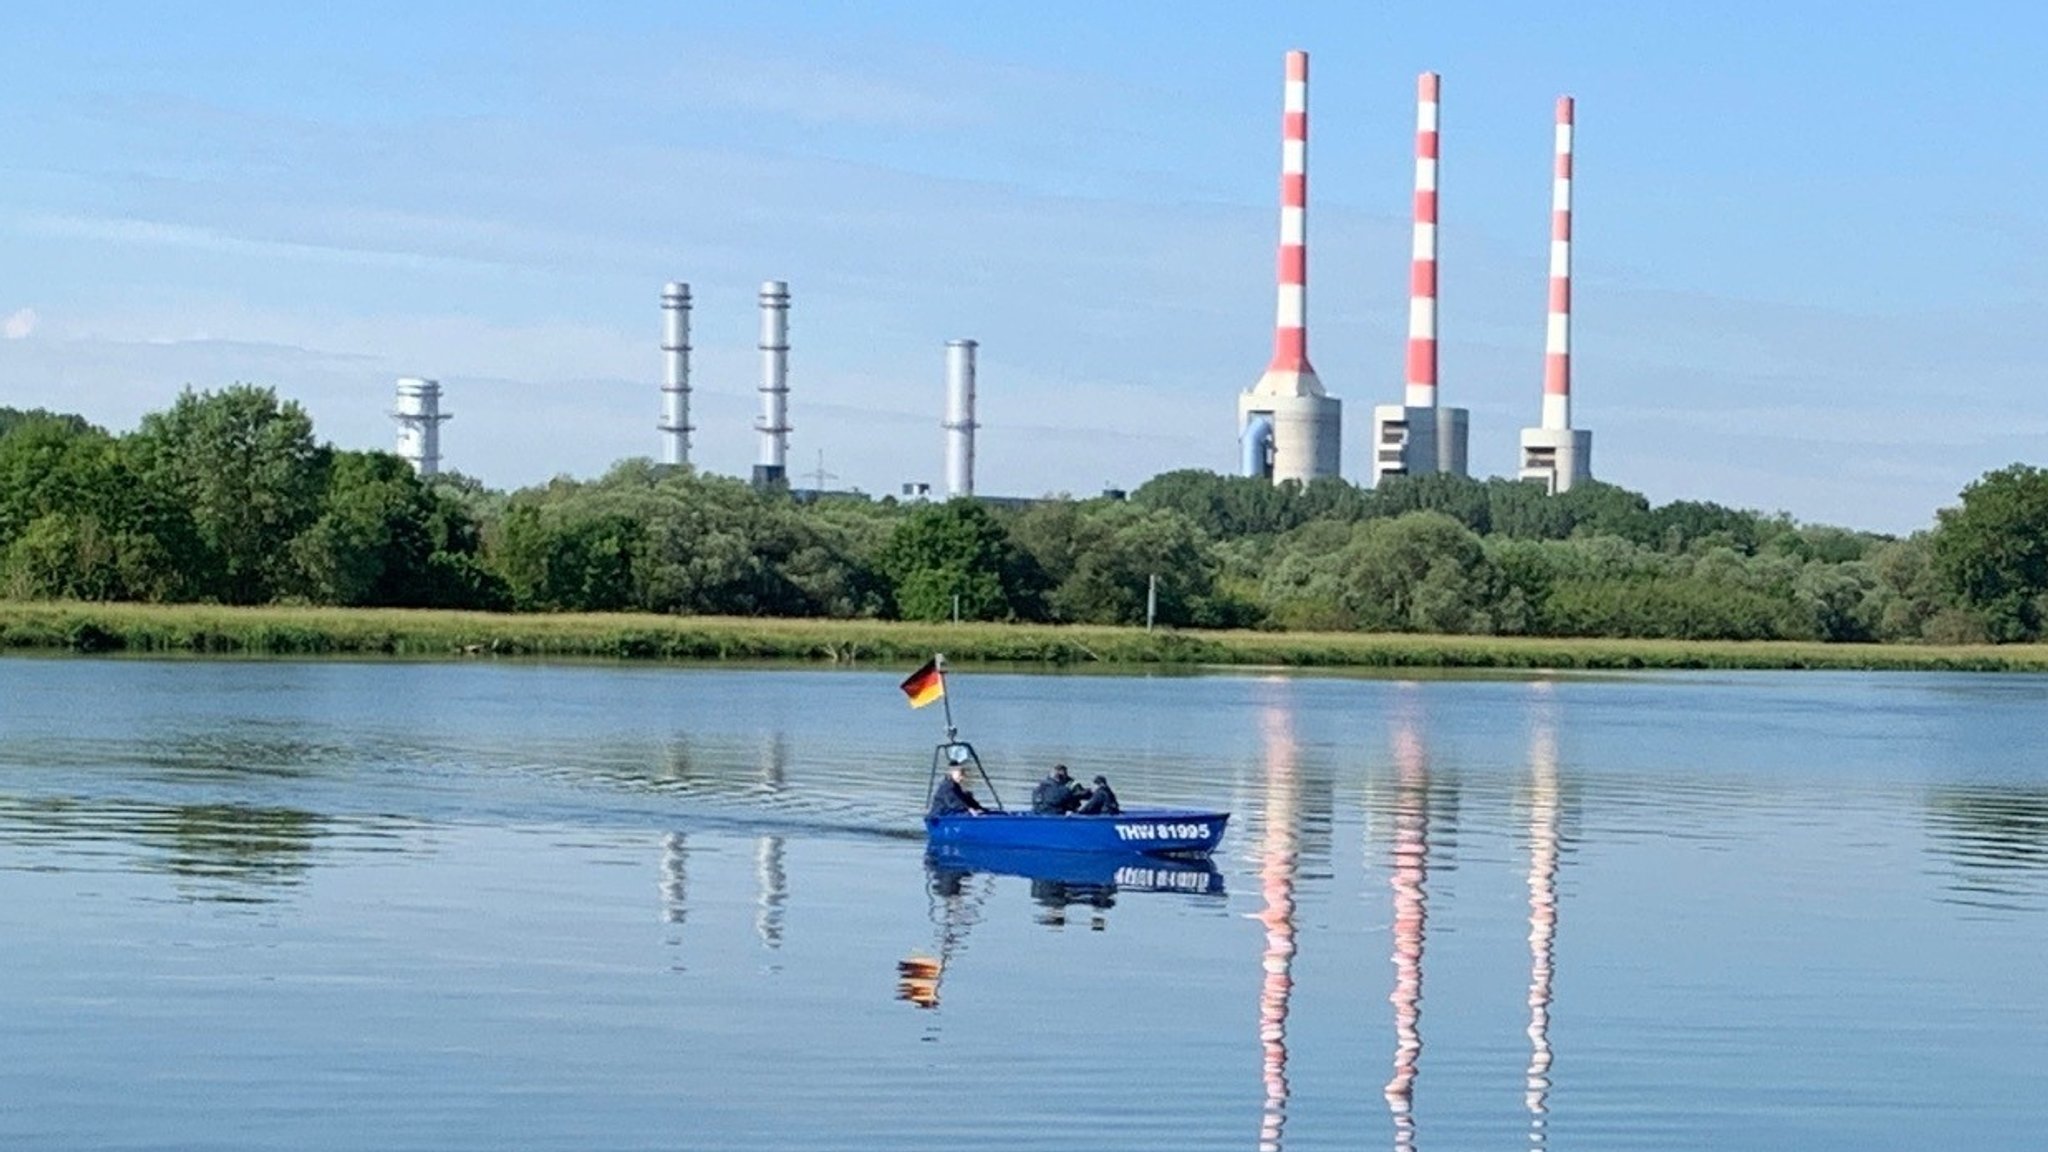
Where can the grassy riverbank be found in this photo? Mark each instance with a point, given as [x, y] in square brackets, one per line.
[341, 631]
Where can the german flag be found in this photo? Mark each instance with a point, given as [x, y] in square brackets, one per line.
[926, 684]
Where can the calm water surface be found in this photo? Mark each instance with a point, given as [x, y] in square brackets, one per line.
[330, 905]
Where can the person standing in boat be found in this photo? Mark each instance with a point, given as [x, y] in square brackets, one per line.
[951, 797]
[1057, 794]
[1101, 801]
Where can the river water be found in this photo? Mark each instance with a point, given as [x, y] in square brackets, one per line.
[491, 906]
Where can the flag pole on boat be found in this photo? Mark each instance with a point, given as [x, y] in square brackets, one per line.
[928, 684]
[945, 701]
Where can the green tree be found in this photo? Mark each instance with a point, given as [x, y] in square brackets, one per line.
[384, 538]
[1991, 553]
[69, 556]
[246, 470]
[1673, 608]
[1521, 510]
[1101, 556]
[12, 418]
[50, 465]
[373, 539]
[73, 521]
[1303, 586]
[1909, 591]
[1229, 507]
[1527, 568]
[553, 561]
[1461, 498]
[715, 545]
[958, 549]
[1597, 509]
[1844, 600]
[1685, 525]
[1423, 572]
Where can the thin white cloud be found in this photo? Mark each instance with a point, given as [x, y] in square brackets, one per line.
[20, 324]
[164, 234]
[816, 93]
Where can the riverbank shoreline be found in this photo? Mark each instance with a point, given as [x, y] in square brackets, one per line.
[284, 631]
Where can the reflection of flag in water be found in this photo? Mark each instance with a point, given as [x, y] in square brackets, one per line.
[926, 684]
[917, 980]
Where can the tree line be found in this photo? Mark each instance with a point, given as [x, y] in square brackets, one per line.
[228, 497]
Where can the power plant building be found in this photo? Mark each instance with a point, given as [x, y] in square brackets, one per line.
[1555, 454]
[1419, 436]
[419, 416]
[1288, 427]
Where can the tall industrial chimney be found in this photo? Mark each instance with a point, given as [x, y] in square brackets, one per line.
[419, 416]
[675, 373]
[772, 470]
[1422, 267]
[1290, 323]
[1289, 428]
[960, 423]
[1556, 454]
[1557, 341]
[1418, 435]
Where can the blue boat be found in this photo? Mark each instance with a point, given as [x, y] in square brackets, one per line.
[1159, 833]
[1185, 833]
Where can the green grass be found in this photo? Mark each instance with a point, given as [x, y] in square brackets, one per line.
[353, 631]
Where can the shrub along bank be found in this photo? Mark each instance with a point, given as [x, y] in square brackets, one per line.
[141, 628]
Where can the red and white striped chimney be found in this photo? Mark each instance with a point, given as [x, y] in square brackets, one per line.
[1557, 346]
[1290, 326]
[1422, 273]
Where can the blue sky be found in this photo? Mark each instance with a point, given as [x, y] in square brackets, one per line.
[1812, 252]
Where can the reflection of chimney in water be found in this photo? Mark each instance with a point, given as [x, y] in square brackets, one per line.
[1542, 918]
[1279, 851]
[772, 886]
[1410, 874]
[674, 849]
[674, 879]
[771, 881]
[774, 765]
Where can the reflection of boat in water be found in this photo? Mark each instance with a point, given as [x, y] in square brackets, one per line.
[1059, 880]
[1080, 872]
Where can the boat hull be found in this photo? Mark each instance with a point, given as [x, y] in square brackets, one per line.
[1162, 832]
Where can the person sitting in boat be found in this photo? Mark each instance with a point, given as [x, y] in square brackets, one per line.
[1057, 794]
[951, 797]
[1101, 801]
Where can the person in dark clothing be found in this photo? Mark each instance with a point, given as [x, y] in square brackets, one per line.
[951, 797]
[1057, 794]
[1101, 801]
